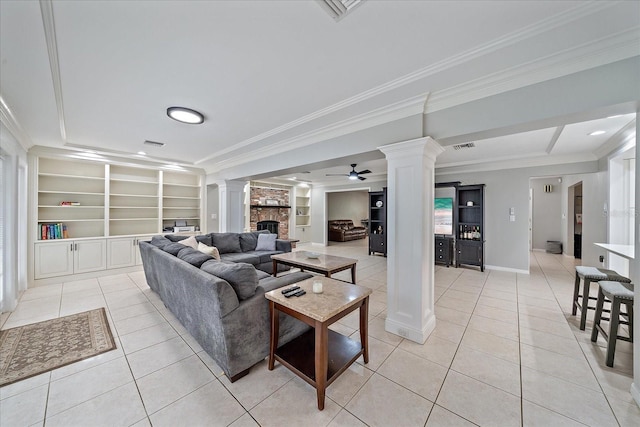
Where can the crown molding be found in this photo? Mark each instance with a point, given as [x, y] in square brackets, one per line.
[618, 142]
[48, 22]
[538, 28]
[13, 125]
[379, 116]
[513, 162]
[623, 45]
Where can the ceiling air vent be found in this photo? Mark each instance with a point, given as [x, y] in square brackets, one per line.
[463, 146]
[338, 9]
[154, 143]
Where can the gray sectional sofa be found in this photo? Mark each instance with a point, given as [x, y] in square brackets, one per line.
[221, 303]
[241, 247]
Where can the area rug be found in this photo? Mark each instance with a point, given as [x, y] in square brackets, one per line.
[32, 349]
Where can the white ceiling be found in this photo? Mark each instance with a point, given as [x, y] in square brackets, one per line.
[100, 74]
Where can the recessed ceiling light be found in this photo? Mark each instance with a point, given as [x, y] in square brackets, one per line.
[613, 117]
[598, 132]
[185, 115]
[142, 153]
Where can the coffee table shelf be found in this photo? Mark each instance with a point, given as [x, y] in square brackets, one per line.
[298, 355]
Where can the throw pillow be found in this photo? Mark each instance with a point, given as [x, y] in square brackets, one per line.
[248, 241]
[209, 250]
[241, 276]
[190, 241]
[175, 237]
[266, 242]
[193, 257]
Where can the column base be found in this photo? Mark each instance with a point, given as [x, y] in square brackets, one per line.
[409, 332]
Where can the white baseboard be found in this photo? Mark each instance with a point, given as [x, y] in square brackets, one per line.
[635, 393]
[510, 270]
[92, 275]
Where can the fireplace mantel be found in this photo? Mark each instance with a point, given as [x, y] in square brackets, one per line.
[270, 206]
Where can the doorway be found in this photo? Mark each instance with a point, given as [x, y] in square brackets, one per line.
[577, 221]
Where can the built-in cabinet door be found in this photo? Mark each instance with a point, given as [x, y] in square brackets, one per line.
[89, 255]
[121, 252]
[302, 234]
[53, 259]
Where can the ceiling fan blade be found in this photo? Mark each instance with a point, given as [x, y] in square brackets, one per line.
[361, 178]
[364, 171]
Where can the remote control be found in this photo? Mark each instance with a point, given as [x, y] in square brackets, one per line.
[290, 294]
[300, 293]
[285, 291]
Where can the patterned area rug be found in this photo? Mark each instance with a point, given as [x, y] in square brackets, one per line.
[30, 350]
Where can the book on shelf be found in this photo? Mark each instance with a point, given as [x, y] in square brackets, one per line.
[53, 231]
[69, 203]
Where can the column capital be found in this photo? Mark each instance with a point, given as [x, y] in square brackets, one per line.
[425, 146]
[231, 184]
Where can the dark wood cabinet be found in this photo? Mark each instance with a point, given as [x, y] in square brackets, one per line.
[378, 222]
[444, 250]
[470, 236]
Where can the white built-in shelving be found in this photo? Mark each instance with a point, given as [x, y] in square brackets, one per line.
[106, 209]
[180, 198]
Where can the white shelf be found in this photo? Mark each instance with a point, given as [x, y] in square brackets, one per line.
[114, 199]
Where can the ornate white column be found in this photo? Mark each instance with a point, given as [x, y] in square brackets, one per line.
[410, 239]
[231, 200]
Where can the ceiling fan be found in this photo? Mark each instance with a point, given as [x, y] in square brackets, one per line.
[353, 174]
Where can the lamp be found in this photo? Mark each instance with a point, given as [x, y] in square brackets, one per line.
[185, 115]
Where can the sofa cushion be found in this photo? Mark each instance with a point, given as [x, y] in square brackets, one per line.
[189, 241]
[248, 241]
[262, 274]
[266, 242]
[227, 242]
[160, 241]
[241, 257]
[209, 250]
[242, 277]
[193, 256]
[264, 256]
[204, 238]
[173, 248]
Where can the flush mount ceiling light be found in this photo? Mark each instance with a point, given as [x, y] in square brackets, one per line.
[185, 115]
[598, 132]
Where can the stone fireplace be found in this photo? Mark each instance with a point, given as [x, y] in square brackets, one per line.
[271, 205]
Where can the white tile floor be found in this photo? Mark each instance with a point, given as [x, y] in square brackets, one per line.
[505, 352]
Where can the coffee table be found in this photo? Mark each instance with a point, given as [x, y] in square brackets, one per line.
[323, 264]
[319, 355]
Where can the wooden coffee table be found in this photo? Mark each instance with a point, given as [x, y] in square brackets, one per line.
[320, 355]
[323, 264]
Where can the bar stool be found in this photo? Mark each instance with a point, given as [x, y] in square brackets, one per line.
[618, 293]
[588, 275]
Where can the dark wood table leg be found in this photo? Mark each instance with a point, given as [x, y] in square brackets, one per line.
[275, 331]
[275, 268]
[353, 274]
[364, 335]
[321, 360]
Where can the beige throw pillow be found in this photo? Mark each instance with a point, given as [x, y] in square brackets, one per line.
[209, 250]
[190, 241]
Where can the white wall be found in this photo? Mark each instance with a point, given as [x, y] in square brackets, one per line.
[353, 205]
[507, 242]
[213, 206]
[547, 221]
